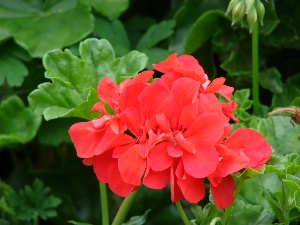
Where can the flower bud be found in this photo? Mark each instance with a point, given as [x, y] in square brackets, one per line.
[260, 9]
[238, 12]
[251, 18]
[232, 3]
[249, 4]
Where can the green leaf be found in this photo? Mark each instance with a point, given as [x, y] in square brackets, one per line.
[111, 9]
[252, 190]
[71, 94]
[155, 34]
[271, 19]
[18, 123]
[292, 184]
[55, 132]
[271, 80]
[280, 134]
[202, 30]
[238, 64]
[296, 102]
[115, 33]
[251, 173]
[276, 207]
[297, 200]
[291, 90]
[246, 214]
[138, 220]
[37, 25]
[156, 55]
[78, 223]
[34, 202]
[204, 215]
[12, 71]
[283, 165]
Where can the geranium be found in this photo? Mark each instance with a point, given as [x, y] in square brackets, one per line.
[173, 130]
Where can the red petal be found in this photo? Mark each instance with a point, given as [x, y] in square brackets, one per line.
[226, 92]
[207, 128]
[108, 91]
[174, 151]
[215, 85]
[155, 99]
[209, 103]
[231, 161]
[131, 118]
[99, 107]
[166, 65]
[159, 158]
[253, 144]
[101, 164]
[116, 184]
[86, 138]
[88, 161]
[184, 92]
[129, 97]
[223, 193]
[169, 78]
[176, 194]
[192, 188]
[184, 143]
[157, 180]
[188, 114]
[227, 109]
[142, 77]
[132, 166]
[202, 163]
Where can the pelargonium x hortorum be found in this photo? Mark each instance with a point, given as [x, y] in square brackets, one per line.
[172, 130]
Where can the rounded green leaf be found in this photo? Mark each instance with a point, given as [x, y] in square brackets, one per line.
[111, 9]
[280, 134]
[72, 92]
[203, 29]
[12, 70]
[18, 123]
[40, 26]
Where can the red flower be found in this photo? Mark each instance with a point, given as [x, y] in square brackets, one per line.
[183, 66]
[244, 148]
[173, 130]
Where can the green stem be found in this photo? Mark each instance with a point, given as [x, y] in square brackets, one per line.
[235, 194]
[123, 210]
[182, 214]
[255, 69]
[104, 204]
[284, 203]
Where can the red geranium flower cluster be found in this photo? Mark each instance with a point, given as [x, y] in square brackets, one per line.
[172, 130]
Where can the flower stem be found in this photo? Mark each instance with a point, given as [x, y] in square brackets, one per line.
[182, 214]
[104, 204]
[235, 194]
[255, 69]
[123, 210]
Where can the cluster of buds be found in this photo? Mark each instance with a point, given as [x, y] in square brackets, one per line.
[246, 12]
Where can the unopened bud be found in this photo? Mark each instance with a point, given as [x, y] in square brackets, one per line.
[232, 3]
[249, 4]
[260, 9]
[251, 18]
[238, 12]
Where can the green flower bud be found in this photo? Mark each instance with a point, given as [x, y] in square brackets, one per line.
[249, 4]
[260, 9]
[251, 18]
[232, 3]
[238, 12]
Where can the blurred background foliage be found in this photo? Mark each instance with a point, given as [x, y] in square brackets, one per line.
[32, 147]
